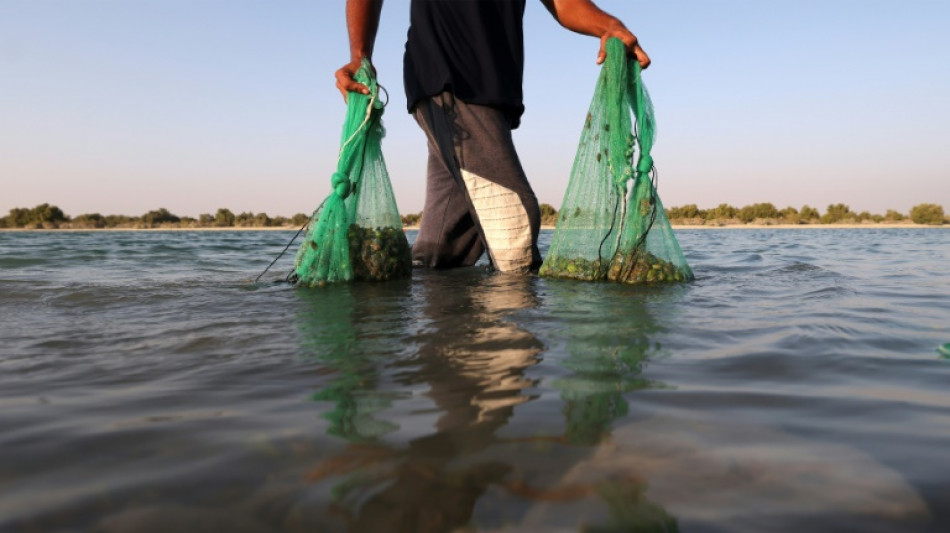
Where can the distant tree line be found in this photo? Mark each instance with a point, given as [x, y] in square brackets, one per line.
[767, 213]
[46, 216]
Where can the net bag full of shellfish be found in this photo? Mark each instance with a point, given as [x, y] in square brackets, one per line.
[357, 233]
[612, 225]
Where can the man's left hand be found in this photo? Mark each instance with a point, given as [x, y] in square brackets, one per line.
[629, 41]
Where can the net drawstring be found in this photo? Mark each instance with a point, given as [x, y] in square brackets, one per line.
[621, 202]
[640, 118]
[369, 112]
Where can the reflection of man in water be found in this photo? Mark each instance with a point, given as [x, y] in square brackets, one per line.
[462, 72]
[475, 378]
[472, 357]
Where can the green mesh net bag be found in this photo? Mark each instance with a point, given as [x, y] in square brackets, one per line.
[612, 225]
[357, 233]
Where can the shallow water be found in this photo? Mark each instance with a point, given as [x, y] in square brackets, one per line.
[146, 384]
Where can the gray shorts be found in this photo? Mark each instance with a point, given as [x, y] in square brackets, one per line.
[477, 196]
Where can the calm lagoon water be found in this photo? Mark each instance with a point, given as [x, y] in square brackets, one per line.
[147, 384]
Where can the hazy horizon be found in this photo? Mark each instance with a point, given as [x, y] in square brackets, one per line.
[121, 108]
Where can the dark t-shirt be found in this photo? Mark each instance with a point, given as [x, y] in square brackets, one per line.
[473, 48]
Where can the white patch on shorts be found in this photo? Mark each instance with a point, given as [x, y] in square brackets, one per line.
[504, 221]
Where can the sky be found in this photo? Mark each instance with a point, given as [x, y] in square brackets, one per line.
[124, 106]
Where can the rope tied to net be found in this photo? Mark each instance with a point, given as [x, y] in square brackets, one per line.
[625, 89]
[341, 183]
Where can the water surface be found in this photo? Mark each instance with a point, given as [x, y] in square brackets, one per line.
[147, 384]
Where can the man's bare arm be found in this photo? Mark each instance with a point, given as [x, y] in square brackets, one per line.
[582, 16]
[362, 21]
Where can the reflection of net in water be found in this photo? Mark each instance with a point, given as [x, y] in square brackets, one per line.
[606, 354]
[351, 362]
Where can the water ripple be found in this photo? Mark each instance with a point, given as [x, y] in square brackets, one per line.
[795, 384]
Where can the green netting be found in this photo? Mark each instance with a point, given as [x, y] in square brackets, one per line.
[357, 233]
[612, 225]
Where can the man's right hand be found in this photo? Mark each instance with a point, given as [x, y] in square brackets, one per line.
[345, 82]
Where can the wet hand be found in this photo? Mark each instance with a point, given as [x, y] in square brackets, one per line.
[629, 41]
[345, 82]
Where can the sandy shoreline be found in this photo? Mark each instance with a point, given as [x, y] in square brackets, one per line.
[675, 227]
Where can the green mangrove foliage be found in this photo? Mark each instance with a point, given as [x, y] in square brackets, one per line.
[767, 213]
[47, 216]
[927, 214]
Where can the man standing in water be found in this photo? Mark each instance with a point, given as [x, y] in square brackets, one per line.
[462, 72]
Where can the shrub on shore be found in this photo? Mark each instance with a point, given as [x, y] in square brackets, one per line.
[224, 218]
[159, 217]
[299, 219]
[893, 216]
[752, 212]
[412, 219]
[808, 214]
[41, 216]
[548, 215]
[927, 214]
[88, 221]
[838, 213]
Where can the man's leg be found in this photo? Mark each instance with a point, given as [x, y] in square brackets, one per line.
[475, 146]
[447, 234]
